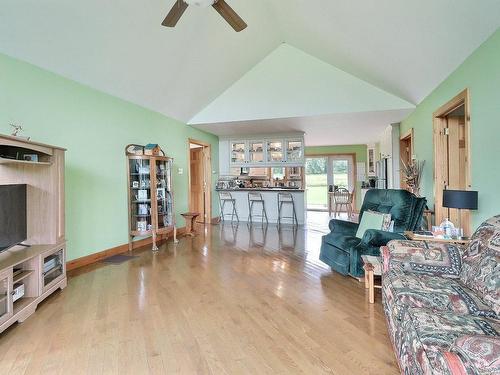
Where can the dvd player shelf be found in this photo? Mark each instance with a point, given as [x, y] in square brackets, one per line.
[30, 274]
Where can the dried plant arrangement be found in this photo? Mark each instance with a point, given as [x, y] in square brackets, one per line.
[412, 175]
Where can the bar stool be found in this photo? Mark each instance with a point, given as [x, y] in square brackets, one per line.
[226, 197]
[286, 198]
[254, 197]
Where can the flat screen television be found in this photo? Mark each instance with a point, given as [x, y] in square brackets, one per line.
[12, 215]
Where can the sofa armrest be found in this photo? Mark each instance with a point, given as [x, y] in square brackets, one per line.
[477, 354]
[377, 238]
[342, 226]
[431, 258]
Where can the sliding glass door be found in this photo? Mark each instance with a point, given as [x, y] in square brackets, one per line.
[322, 171]
[316, 183]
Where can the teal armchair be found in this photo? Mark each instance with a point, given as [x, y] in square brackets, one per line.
[342, 250]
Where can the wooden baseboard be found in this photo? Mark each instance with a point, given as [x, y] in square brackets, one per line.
[96, 257]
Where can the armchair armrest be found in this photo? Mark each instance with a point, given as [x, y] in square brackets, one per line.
[342, 226]
[431, 258]
[377, 238]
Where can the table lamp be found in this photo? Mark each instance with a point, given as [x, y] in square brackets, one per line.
[460, 199]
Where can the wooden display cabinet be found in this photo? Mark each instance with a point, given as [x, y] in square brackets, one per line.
[150, 195]
[29, 273]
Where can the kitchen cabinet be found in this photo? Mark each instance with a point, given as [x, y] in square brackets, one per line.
[262, 151]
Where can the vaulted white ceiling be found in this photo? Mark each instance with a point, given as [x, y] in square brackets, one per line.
[405, 48]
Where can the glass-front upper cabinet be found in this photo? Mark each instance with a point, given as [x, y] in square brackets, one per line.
[164, 198]
[140, 199]
[256, 152]
[5, 296]
[275, 151]
[294, 151]
[238, 152]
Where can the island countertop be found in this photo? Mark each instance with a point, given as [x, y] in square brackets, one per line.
[270, 198]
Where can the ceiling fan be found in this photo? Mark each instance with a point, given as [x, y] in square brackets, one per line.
[219, 5]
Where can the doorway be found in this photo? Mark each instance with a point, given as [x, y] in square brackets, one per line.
[324, 170]
[200, 180]
[452, 156]
[405, 153]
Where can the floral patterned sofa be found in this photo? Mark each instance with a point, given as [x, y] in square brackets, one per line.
[442, 303]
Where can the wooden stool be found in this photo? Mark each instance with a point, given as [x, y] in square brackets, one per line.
[372, 266]
[190, 218]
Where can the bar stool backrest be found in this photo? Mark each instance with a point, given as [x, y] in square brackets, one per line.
[285, 197]
[225, 195]
[254, 196]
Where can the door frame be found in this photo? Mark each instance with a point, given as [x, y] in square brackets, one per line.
[441, 158]
[207, 159]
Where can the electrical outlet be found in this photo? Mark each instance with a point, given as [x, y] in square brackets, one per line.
[180, 170]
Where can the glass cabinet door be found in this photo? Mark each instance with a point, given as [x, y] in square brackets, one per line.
[256, 150]
[274, 151]
[53, 267]
[163, 193]
[238, 152]
[5, 298]
[140, 190]
[294, 151]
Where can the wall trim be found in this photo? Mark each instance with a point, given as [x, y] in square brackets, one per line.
[120, 249]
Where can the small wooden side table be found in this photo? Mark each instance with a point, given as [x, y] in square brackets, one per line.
[190, 218]
[415, 237]
[373, 267]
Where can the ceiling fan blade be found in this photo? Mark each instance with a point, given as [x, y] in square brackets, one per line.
[175, 14]
[229, 15]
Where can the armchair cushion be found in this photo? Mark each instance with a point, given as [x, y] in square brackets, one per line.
[377, 238]
[341, 240]
[422, 257]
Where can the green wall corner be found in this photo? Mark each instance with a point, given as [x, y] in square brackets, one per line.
[95, 128]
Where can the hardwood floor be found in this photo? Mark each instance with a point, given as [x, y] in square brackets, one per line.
[235, 301]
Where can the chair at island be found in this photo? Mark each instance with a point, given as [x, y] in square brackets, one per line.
[342, 250]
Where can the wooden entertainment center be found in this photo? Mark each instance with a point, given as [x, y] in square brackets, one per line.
[29, 274]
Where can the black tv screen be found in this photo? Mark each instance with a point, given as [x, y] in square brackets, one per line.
[12, 215]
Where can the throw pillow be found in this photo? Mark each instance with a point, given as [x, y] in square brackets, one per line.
[369, 220]
[386, 223]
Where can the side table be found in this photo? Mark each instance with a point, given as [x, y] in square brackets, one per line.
[190, 218]
[373, 267]
[416, 237]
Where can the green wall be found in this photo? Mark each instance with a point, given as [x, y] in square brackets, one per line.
[480, 73]
[361, 156]
[95, 128]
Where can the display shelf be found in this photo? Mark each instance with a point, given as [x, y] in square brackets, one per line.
[25, 162]
[159, 200]
[22, 275]
[21, 303]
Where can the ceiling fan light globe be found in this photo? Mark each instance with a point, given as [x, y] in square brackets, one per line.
[200, 3]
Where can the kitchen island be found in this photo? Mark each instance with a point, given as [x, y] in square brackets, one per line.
[270, 196]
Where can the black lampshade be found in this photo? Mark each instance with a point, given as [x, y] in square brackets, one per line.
[464, 199]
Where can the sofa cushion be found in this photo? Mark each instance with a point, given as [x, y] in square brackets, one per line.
[341, 241]
[481, 263]
[426, 334]
[477, 354]
[408, 290]
[432, 258]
